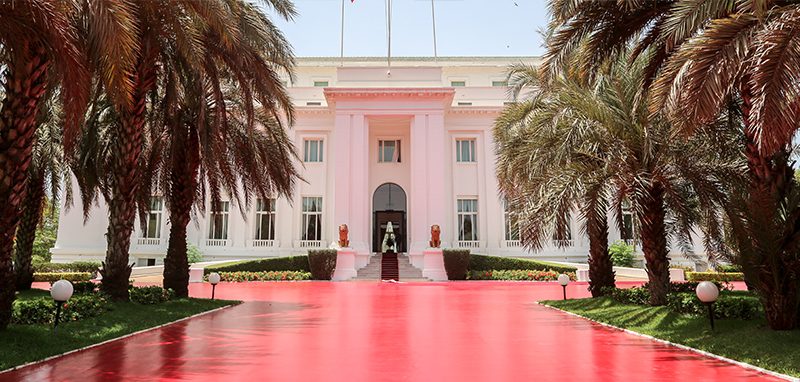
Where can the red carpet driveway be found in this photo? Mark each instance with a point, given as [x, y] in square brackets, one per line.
[371, 331]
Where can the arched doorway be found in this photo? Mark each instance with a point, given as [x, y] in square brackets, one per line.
[389, 205]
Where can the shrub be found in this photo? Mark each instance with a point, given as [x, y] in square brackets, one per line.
[322, 263]
[78, 266]
[193, 253]
[264, 276]
[687, 287]
[636, 296]
[497, 263]
[69, 276]
[728, 268]
[288, 263]
[621, 254]
[456, 263]
[42, 310]
[149, 295]
[715, 276]
[517, 275]
[727, 306]
[84, 287]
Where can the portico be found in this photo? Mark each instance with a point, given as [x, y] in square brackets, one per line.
[412, 117]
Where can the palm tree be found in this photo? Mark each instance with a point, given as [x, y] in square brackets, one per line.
[701, 55]
[44, 177]
[217, 139]
[42, 45]
[544, 178]
[604, 129]
[181, 32]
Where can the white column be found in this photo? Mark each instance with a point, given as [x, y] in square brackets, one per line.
[426, 199]
[350, 179]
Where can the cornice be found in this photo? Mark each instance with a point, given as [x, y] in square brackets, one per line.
[459, 110]
[313, 110]
[338, 94]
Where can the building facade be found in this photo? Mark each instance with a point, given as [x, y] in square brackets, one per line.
[411, 145]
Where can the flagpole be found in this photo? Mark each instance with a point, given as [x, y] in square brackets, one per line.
[341, 39]
[433, 17]
[389, 36]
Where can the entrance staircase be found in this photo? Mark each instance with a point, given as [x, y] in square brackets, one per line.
[389, 267]
[405, 271]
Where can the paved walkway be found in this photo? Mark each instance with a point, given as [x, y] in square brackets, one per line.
[371, 331]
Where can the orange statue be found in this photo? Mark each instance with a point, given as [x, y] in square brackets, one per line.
[435, 232]
[343, 231]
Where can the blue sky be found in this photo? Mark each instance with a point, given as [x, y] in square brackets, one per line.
[463, 27]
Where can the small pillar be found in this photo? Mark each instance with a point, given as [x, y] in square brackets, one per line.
[345, 264]
[433, 264]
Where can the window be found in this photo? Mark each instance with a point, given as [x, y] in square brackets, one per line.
[389, 151]
[458, 83]
[312, 150]
[467, 219]
[312, 218]
[627, 221]
[320, 84]
[465, 150]
[265, 219]
[218, 229]
[500, 83]
[511, 223]
[153, 229]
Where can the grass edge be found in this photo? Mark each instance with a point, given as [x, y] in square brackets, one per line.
[679, 346]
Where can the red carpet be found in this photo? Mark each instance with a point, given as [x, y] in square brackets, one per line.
[389, 268]
[367, 331]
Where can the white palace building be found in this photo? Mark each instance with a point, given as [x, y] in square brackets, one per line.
[412, 146]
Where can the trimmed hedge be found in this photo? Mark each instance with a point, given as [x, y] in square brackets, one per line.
[264, 276]
[497, 263]
[715, 276]
[322, 263]
[76, 267]
[42, 310]
[69, 276]
[149, 295]
[456, 263]
[517, 275]
[727, 306]
[731, 304]
[287, 263]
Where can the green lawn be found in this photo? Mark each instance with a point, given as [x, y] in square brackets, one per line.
[20, 344]
[747, 341]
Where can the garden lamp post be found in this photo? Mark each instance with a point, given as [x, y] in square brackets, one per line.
[213, 278]
[61, 291]
[563, 280]
[708, 293]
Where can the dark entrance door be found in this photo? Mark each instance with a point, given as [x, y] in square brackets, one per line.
[389, 205]
[381, 219]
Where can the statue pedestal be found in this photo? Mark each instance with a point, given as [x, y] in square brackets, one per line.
[345, 265]
[433, 264]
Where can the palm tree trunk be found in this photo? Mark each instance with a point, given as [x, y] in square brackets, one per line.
[125, 185]
[601, 269]
[653, 234]
[183, 178]
[769, 261]
[26, 232]
[24, 86]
